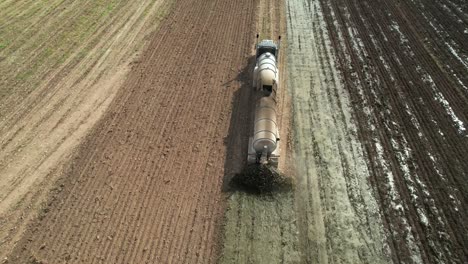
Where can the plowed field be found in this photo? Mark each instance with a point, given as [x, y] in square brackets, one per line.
[146, 185]
[61, 65]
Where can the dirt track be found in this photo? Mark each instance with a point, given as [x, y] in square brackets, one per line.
[146, 187]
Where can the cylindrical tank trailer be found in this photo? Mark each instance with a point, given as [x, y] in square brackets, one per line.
[263, 145]
[265, 135]
[266, 76]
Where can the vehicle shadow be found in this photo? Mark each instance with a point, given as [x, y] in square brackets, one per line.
[240, 126]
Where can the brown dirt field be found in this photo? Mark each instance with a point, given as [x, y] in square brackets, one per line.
[146, 185]
[61, 64]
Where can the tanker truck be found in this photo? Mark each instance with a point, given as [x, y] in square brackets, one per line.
[263, 144]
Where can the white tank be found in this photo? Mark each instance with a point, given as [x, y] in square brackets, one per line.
[266, 69]
[265, 129]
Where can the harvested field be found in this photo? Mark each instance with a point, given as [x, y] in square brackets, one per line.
[146, 184]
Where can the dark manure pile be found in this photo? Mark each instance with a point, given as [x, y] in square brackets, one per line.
[261, 179]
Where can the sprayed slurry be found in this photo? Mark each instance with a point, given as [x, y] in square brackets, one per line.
[262, 179]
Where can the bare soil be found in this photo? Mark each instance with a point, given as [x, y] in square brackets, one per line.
[146, 184]
[61, 64]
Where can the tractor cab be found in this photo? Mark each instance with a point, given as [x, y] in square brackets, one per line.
[267, 46]
[266, 75]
